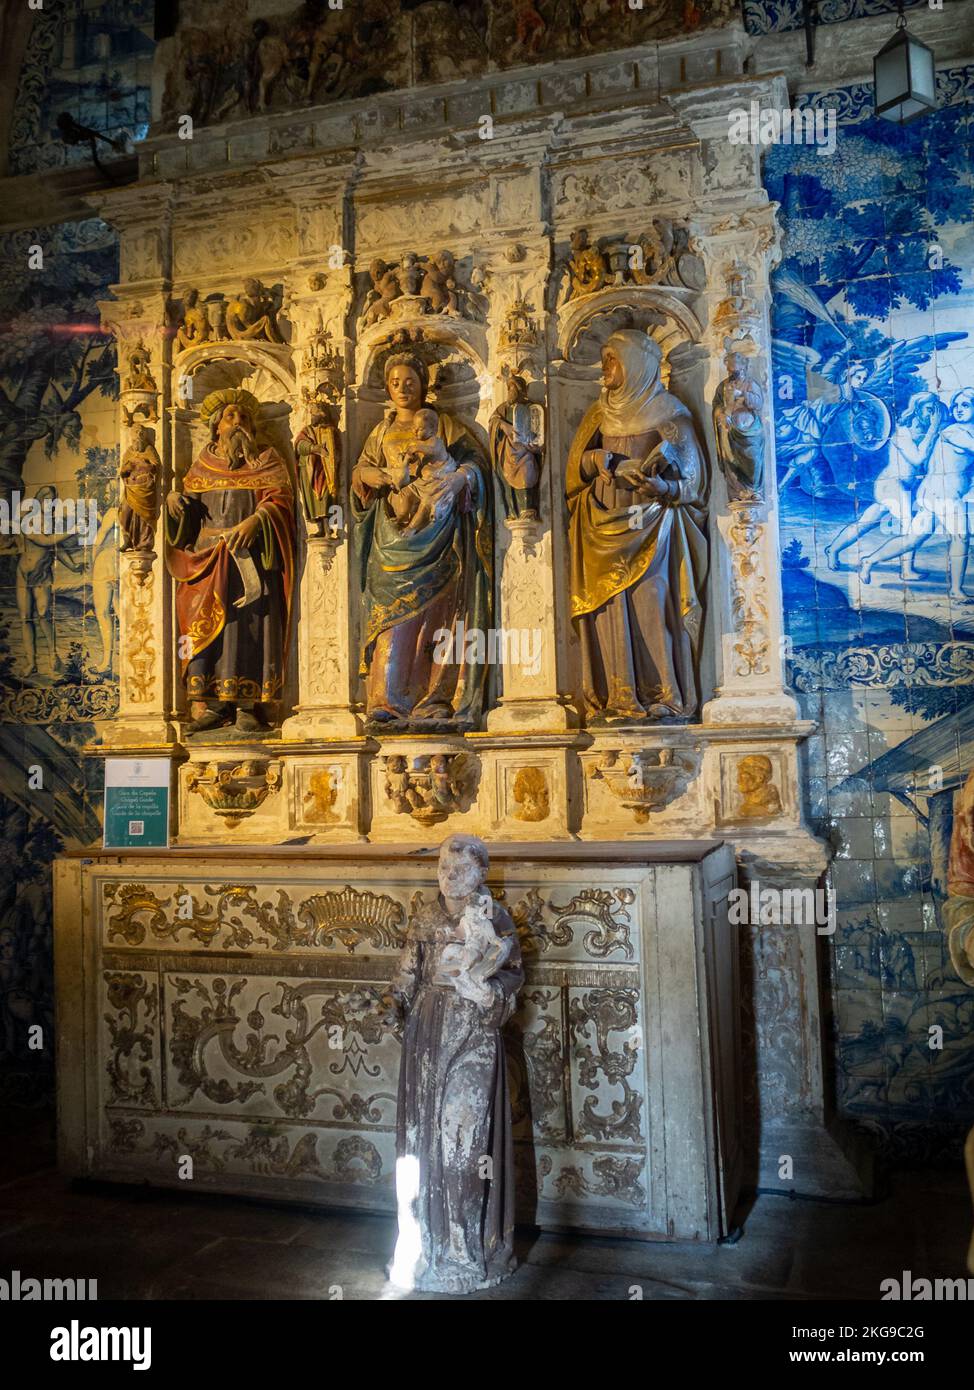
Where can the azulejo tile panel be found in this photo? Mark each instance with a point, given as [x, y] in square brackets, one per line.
[872, 322]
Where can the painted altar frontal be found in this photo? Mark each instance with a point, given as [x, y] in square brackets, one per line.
[448, 504]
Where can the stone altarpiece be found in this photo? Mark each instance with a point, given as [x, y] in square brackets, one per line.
[316, 207]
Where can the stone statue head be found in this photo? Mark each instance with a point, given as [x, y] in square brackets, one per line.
[230, 410]
[631, 380]
[463, 865]
[517, 389]
[407, 380]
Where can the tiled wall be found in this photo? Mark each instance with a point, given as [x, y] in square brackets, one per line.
[873, 313]
[775, 16]
[57, 428]
[92, 59]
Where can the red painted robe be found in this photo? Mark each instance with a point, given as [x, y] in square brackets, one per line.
[237, 619]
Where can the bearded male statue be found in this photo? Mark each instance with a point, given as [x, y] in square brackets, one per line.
[231, 534]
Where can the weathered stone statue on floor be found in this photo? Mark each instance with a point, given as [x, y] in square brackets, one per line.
[457, 982]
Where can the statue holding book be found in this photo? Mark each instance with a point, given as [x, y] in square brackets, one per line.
[636, 485]
[231, 535]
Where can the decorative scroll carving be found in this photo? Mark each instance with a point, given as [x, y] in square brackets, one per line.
[749, 603]
[647, 780]
[351, 916]
[190, 1035]
[535, 934]
[131, 996]
[617, 1178]
[262, 1150]
[135, 901]
[608, 1011]
[661, 255]
[140, 649]
[538, 1094]
[236, 790]
[351, 1017]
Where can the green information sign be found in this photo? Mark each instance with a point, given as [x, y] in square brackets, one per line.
[136, 803]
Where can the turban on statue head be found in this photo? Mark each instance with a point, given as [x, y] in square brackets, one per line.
[217, 401]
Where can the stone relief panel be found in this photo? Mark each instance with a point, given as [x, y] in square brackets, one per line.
[225, 916]
[300, 1049]
[234, 1149]
[317, 54]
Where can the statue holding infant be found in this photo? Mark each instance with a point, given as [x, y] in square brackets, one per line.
[420, 508]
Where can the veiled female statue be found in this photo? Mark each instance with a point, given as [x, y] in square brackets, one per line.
[636, 487]
[420, 503]
[457, 982]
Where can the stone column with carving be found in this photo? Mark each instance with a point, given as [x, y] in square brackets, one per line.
[138, 318]
[319, 296]
[528, 699]
[739, 250]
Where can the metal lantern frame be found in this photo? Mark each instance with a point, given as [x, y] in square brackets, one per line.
[916, 61]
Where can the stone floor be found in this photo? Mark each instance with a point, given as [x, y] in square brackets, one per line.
[142, 1244]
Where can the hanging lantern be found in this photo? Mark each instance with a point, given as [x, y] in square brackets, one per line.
[905, 77]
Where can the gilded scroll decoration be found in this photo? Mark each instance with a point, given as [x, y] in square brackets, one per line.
[139, 911]
[133, 1001]
[536, 935]
[351, 917]
[140, 649]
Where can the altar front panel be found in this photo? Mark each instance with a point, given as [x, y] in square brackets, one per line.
[223, 1030]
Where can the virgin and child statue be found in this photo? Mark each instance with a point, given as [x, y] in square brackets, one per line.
[231, 549]
[636, 485]
[420, 508]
